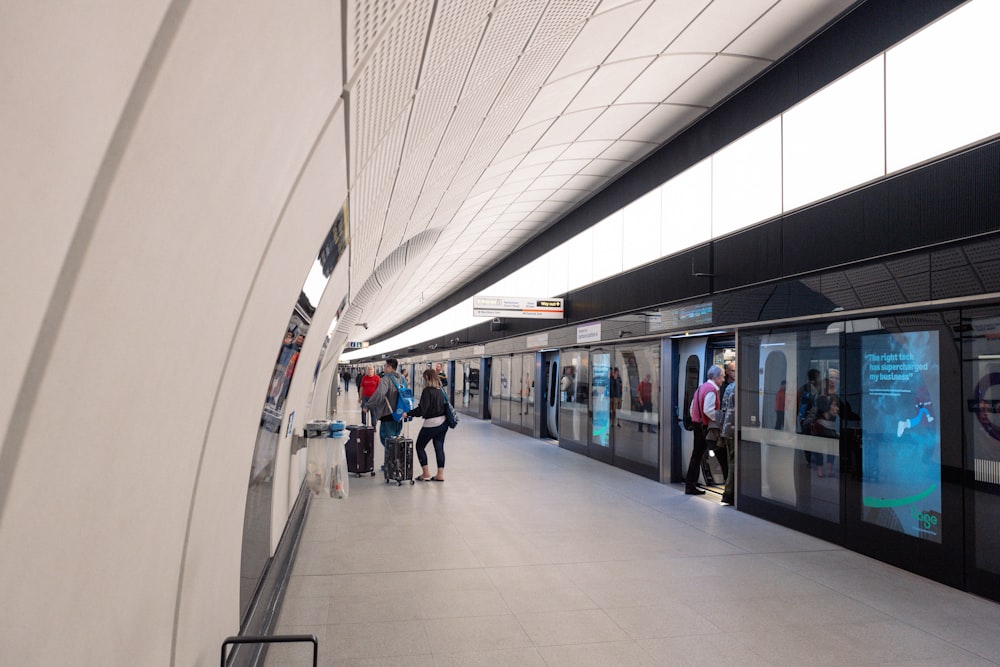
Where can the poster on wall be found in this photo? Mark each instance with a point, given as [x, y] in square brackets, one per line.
[901, 388]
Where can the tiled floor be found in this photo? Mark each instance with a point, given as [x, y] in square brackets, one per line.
[532, 555]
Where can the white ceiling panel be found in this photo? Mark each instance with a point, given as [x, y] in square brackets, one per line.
[597, 39]
[551, 99]
[585, 149]
[522, 141]
[608, 5]
[567, 128]
[608, 83]
[660, 24]
[627, 150]
[716, 80]
[663, 77]
[663, 122]
[544, 155]
[787, 24]
[566, 167]
[717, 26]
[616, 121]
[487, 121]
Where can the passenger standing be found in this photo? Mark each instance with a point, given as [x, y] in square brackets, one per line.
[719, 447]
[432, 408]
[383, 401]
[645, 401]
[729, 376]
[442, 378]
[366, 387]
[728, 438]
[705, 416]
[616, 395]
[779, 407]
[346, 377]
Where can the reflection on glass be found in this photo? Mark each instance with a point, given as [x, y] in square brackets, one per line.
[257, 517]
[982, 424]
[574, 397]
[473, 385]
[495, 388]
[527, 390]
[636, 420]
[799, 445]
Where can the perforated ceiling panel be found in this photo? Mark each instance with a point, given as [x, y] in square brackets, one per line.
[480, 123]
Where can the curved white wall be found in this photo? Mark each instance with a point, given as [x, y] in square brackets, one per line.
[168, 174]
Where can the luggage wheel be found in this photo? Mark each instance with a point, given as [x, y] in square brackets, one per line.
[373, 474]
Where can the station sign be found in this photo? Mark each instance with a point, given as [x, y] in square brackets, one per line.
[517, 307]
[357, 344]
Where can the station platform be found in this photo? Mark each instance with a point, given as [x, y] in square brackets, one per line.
[533, 555]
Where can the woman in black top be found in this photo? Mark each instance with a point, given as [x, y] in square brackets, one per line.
[432, 409]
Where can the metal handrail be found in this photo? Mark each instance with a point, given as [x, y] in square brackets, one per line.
[271, 639]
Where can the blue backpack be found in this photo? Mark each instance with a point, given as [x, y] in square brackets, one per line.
[404, 400]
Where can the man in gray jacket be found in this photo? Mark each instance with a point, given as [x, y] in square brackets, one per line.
[383, 402]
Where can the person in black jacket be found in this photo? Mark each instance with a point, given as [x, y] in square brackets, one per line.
[432, 408]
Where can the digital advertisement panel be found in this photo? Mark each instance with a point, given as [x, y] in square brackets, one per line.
[901, 387]
[601, 371]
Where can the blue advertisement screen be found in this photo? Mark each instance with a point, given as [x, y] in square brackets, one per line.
[901, 477]
[601, 370]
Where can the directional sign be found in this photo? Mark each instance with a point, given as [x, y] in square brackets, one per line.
[517, 306]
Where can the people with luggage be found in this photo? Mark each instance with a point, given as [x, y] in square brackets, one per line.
[366, 387]
[432, 408]
[383, 401]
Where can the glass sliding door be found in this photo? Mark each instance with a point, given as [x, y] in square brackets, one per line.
[792, 462]
[981, 403]
[574, 400]
[503, 409]
[526, 389]
[846, 432]
[635, 411]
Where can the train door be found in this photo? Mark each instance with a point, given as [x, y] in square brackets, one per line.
[696, 356]
[550, 396]
[574, 393]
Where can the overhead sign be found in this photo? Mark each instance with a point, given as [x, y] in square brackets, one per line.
[589, 333]
[517, 306]
[357, 344]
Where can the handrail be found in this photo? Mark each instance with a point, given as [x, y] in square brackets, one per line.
[270, 639]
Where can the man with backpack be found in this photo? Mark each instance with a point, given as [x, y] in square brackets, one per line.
[705, 418]
[383, 401]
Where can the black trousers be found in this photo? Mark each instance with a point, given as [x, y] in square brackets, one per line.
[694, 466]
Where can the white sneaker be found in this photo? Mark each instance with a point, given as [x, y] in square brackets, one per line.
[902, 426]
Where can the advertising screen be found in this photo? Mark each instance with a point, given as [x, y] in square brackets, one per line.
[901, 477]
[601, 370]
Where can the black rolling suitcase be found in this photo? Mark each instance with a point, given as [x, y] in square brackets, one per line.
[360, 450]
[399, 460]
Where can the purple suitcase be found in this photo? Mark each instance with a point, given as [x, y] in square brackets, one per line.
[360, 450]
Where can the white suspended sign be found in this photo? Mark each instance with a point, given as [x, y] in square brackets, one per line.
[517, 306]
